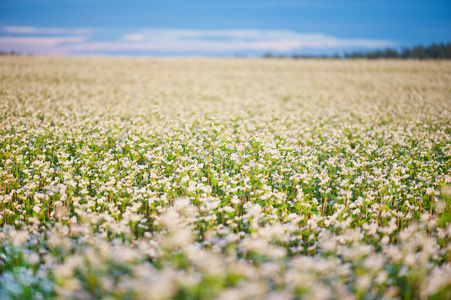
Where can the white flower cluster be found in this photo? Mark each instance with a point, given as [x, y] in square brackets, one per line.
[230, 179]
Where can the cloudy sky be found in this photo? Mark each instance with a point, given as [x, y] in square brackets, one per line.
[218, 28]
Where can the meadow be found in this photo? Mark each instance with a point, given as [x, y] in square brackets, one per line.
[139, 178]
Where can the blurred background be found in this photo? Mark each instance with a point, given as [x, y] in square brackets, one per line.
[221, 28]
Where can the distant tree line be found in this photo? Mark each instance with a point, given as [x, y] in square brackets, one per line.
[3, 53]
[434, 51]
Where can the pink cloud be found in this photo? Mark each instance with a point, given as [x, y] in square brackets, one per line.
[39, 45]
[171, 41]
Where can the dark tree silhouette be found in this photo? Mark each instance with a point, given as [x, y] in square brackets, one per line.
[434, 51]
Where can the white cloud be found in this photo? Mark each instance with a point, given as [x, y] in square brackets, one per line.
[175, 41]
[42, 30]
[303, 40]
[191, 46]
[133, 37]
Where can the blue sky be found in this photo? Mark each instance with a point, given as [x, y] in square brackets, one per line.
[218, 28]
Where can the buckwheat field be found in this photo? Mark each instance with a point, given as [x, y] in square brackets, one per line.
[135, 178]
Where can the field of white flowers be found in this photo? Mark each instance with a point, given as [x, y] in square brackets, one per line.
[133, 178]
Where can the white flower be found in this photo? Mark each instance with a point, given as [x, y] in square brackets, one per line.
[36, 209]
